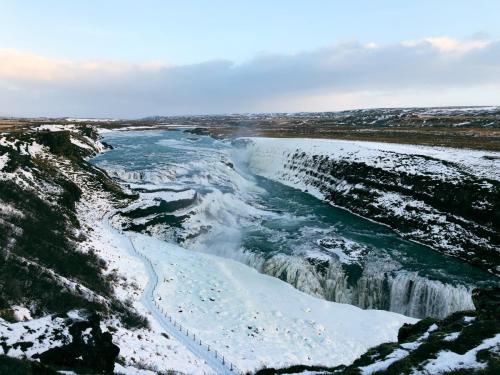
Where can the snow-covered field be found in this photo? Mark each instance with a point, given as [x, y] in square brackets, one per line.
[256, 320]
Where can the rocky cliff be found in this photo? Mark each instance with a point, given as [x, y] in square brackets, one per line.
[448, 199]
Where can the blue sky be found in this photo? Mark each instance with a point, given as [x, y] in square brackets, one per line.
[223, 43]
[194, 31]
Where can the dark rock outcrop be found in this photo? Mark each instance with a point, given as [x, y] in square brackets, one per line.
[91, 349]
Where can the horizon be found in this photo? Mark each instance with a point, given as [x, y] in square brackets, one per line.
[69, 117]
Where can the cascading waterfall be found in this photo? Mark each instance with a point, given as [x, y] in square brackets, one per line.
[142, 176]
[295, 271]
[416, 296]
[398, 291]
[373, 292]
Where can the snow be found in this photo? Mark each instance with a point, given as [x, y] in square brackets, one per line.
[41, 332]
[256, 320]
[151, 199]
[396, 355]
[452, 336]
[71, 119]
[450, 361]
[138, 348]
[9, 210]
[80, 144]
[21, 314]
[35, 149]
[347, 251]
[129, 370]
[4, 159]
[389, 156]
[170, 196]
[202, 351]
[55, 127]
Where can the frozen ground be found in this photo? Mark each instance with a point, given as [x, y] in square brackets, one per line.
[383, 155]
[256, 320]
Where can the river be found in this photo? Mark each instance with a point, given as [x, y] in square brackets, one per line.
[224, 209]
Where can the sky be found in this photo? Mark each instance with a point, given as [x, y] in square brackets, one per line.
[132, 59]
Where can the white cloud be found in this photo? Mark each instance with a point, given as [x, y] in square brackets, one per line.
[452, 45]
[438, 71]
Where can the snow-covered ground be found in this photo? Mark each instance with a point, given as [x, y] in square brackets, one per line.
[151, 349]
[268, 153]
[448, 361]
[256, 320]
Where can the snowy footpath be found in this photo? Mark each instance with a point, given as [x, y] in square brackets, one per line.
[215, 360]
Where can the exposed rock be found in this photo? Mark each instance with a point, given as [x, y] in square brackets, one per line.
[90, 349]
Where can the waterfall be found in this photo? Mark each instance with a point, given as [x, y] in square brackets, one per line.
[373, 292]
[398, 291]
[232, 205]
[416, 296]
[296, 271]
[156, 176]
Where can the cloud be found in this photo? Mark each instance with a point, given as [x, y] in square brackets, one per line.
[16, 65]
[432, 71]
[450, 45]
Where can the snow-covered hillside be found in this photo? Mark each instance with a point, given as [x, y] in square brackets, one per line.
[51, 231]
[445, 198]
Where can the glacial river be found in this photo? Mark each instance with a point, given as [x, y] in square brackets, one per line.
[320, 249]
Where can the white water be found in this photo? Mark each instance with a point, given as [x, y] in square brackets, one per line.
[235, 216]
